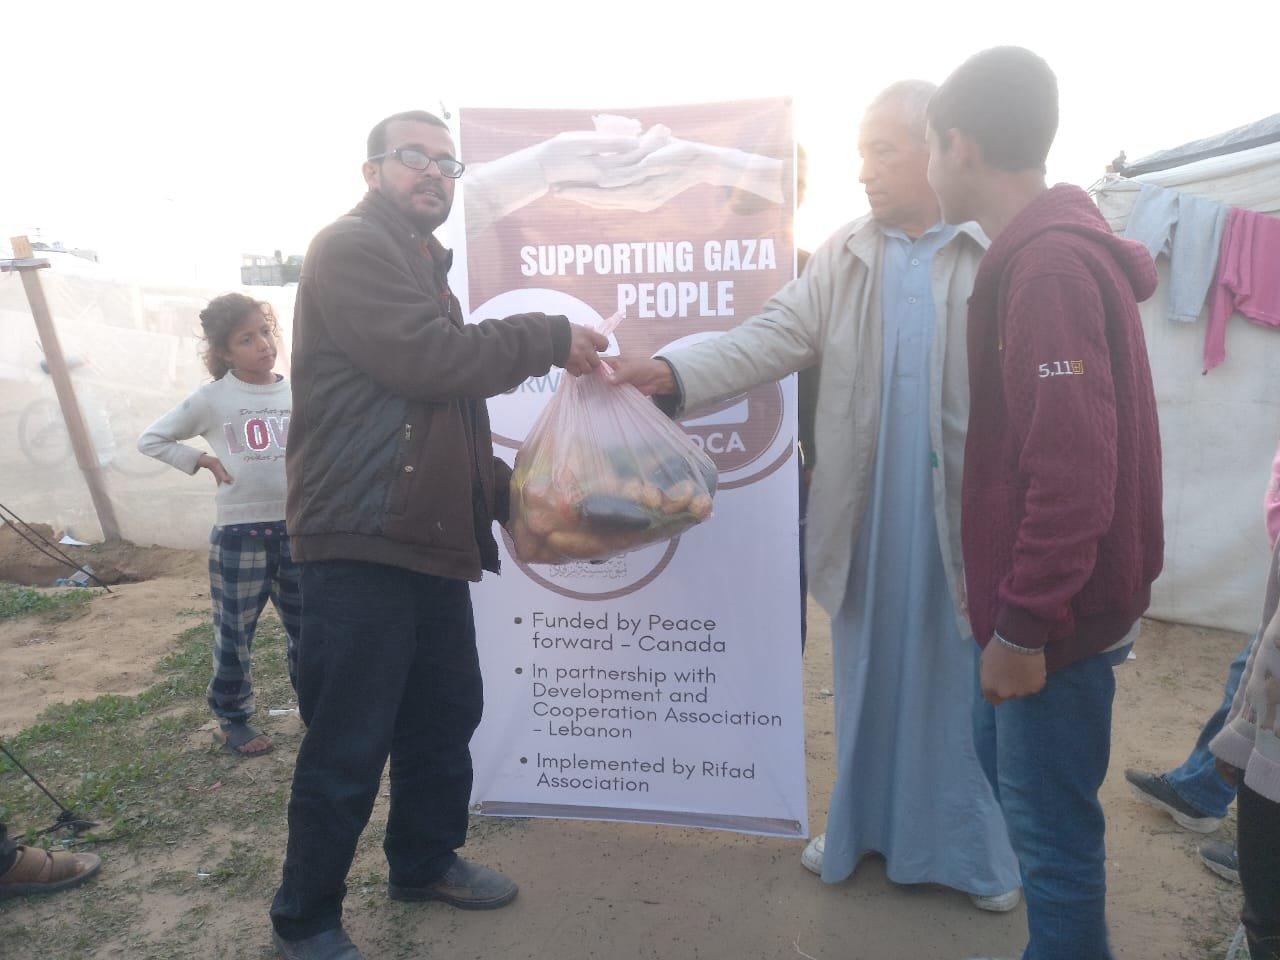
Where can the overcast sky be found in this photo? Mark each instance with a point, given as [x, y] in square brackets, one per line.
[173, 137]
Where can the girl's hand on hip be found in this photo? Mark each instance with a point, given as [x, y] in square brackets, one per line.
[214, 466]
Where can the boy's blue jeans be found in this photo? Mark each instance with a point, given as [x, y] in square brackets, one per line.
[1197, 780]
[1046, 757]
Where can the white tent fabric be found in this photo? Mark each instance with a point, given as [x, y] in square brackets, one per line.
[139, 356]
[1220, 430]
[1249, 179]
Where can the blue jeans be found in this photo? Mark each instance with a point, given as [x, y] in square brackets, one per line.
[1046, 757]
[1197, 780]
[387, 667]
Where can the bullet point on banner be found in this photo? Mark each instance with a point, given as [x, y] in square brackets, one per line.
[524, 759]
[519, 670]
[519, 619]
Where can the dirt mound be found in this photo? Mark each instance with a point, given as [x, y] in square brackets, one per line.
[117, 562]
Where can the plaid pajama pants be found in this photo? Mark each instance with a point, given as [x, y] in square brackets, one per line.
[247, 567]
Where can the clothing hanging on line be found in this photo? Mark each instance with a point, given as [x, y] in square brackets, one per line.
[1248, 280]
[1189, 229]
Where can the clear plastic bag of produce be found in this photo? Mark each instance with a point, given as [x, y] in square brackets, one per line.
[604, 472]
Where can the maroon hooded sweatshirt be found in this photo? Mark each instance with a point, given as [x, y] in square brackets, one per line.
[1061, 521]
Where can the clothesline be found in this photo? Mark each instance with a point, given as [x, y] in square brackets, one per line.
[1226, 255]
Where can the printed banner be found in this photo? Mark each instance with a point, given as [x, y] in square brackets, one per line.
[665, 685]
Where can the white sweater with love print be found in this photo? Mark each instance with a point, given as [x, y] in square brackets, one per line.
[247, 427]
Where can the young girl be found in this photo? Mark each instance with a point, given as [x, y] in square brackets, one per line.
[244, 416]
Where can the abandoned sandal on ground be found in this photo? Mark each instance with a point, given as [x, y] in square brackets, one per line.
[242, 739]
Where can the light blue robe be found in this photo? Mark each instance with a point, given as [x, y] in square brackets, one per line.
[908, 784]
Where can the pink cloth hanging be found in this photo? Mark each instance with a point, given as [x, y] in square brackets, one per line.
[1248, 279]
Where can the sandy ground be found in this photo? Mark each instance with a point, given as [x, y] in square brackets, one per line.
[629, 892]
[111, 648]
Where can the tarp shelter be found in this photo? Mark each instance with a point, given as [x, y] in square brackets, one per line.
[1220, 429]
[137, 352]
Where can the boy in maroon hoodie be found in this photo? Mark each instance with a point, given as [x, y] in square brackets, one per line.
[1061, 517]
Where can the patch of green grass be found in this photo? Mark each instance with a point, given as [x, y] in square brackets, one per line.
[83, 924]
[198, 835]
[54, 604]
[128, 761]
[140, 766]
[246, 870]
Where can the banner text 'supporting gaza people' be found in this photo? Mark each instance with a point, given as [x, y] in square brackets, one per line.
[664, 685]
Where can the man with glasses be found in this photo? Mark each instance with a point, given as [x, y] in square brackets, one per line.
[393, 490]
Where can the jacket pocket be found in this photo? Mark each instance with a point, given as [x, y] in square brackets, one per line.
[403, 470]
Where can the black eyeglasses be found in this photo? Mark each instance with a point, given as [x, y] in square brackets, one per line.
[416, 159]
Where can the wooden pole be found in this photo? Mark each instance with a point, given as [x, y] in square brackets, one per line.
[81, 442]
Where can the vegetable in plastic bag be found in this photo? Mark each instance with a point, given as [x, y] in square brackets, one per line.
[604, 472]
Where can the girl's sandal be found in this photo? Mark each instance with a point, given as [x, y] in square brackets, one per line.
[38, 871]
[234, 737]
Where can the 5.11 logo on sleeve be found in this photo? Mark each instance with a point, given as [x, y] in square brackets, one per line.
[1062, 368]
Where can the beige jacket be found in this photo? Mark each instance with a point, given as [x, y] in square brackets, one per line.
[831, 315]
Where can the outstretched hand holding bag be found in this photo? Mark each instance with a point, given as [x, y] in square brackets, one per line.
[604, 472]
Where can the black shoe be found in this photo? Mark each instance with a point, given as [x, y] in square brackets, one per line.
[330, 945]
[1154, 790]
[467, 886]
[1221, 859]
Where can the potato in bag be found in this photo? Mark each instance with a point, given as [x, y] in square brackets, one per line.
[603, 472]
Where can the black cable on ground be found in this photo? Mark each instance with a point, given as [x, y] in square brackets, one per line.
[15, 521]
[33, 544]
[58, 555]
[67, 817]
[41, 550]
[62, 554]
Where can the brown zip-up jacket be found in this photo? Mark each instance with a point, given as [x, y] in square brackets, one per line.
[390, 458]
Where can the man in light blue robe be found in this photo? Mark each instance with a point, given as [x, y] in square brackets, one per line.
[881, 307]
[908, 783]
[900, 661]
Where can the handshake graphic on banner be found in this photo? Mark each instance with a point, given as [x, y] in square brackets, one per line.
[617, 166]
